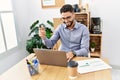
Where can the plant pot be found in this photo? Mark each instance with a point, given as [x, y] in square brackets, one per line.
[92, 49]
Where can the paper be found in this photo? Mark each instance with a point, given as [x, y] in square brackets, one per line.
[48, 2]
[95, 64]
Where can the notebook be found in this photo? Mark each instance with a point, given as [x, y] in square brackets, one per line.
[51, 57]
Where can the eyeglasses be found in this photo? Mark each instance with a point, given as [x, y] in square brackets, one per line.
[66, 18]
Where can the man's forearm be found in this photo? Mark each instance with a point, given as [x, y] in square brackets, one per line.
[81, 52]
[49, 43]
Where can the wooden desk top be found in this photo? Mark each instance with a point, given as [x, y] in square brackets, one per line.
[60, 73]
[20, 72]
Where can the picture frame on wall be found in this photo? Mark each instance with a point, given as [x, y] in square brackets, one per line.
[52, 3]
[48, 2]
[58, 3]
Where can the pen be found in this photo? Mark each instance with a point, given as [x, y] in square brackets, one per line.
[27, 61]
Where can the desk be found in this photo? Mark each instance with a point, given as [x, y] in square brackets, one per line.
[60, 73]
[20, 72]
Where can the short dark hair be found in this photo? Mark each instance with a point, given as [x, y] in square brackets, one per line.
[66, 8]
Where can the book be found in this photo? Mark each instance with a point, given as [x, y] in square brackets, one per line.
[90, 65]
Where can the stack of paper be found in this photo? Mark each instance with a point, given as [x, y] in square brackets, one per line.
[90, 65]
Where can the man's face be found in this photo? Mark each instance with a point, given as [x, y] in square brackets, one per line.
[68, 18]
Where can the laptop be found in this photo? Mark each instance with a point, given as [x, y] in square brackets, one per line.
[51, 57]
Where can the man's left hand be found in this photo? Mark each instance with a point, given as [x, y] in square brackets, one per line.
[69, 55]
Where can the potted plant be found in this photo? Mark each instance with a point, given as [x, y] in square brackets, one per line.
[35, 41]
[92, 46]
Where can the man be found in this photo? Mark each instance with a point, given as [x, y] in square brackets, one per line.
[74, 36]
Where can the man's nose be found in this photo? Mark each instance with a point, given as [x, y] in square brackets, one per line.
[65, 20]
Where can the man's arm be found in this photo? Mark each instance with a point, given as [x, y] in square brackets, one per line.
[53, 40]
[84, 45]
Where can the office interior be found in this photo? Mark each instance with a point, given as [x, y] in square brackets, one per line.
[27, 11]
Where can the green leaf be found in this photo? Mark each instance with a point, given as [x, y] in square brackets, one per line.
[34, 24]
[34, 30]
[48, 32]
[92, 44]
[29, 46]
[50, 23]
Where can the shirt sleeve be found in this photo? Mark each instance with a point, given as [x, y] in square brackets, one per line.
[84, 45]
[54, 38]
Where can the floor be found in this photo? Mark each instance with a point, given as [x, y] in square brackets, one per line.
[115, 74]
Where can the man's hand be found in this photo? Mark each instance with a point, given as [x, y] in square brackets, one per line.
[42, 32]
[69, 55]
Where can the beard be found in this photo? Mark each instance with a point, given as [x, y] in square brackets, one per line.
[69, 24]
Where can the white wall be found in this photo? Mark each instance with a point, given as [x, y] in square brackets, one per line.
[20, 8]
[106, 9]
[36, 12]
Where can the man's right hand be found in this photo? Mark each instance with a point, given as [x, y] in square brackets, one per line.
[42, 32]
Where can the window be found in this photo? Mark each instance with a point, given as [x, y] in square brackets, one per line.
[8, 39]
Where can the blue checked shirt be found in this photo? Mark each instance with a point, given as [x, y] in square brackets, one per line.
[75, 40]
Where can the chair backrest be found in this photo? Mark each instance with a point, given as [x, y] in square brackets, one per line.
[57, 21]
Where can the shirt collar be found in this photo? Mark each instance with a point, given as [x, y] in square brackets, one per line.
[75, 27]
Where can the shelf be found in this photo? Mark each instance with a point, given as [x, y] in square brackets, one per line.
[83, 17]
[96, 35]
[95, 54]
[82, 13]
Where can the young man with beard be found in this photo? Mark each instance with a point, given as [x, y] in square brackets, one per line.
[74, 36]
